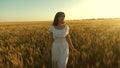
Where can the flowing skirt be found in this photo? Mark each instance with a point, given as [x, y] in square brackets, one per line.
[60, 53]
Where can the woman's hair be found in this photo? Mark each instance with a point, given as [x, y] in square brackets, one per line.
[58, 14]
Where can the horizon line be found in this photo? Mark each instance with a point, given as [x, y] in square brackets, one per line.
[65, 20]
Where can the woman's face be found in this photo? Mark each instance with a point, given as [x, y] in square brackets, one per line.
[61, 18]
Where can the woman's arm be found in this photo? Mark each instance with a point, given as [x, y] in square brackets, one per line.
[74, 51]
[50, 40]
[69, 42]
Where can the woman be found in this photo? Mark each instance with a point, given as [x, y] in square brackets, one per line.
[60, 41]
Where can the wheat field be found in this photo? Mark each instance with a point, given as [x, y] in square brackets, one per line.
[23, 44]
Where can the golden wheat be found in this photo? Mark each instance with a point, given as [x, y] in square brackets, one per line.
[22, 45]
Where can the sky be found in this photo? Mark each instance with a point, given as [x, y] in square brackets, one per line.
[42, 10]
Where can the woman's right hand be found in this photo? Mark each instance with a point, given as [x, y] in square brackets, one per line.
[46, 55]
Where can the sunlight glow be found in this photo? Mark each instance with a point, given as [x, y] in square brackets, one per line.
[95, 9]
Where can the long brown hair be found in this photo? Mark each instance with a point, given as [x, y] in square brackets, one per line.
[58, 14]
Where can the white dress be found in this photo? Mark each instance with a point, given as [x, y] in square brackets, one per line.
[60, 47]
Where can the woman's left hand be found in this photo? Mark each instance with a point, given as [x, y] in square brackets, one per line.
[75, 52]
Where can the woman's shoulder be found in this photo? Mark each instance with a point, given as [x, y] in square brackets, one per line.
[67, 25]
[51, 27]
